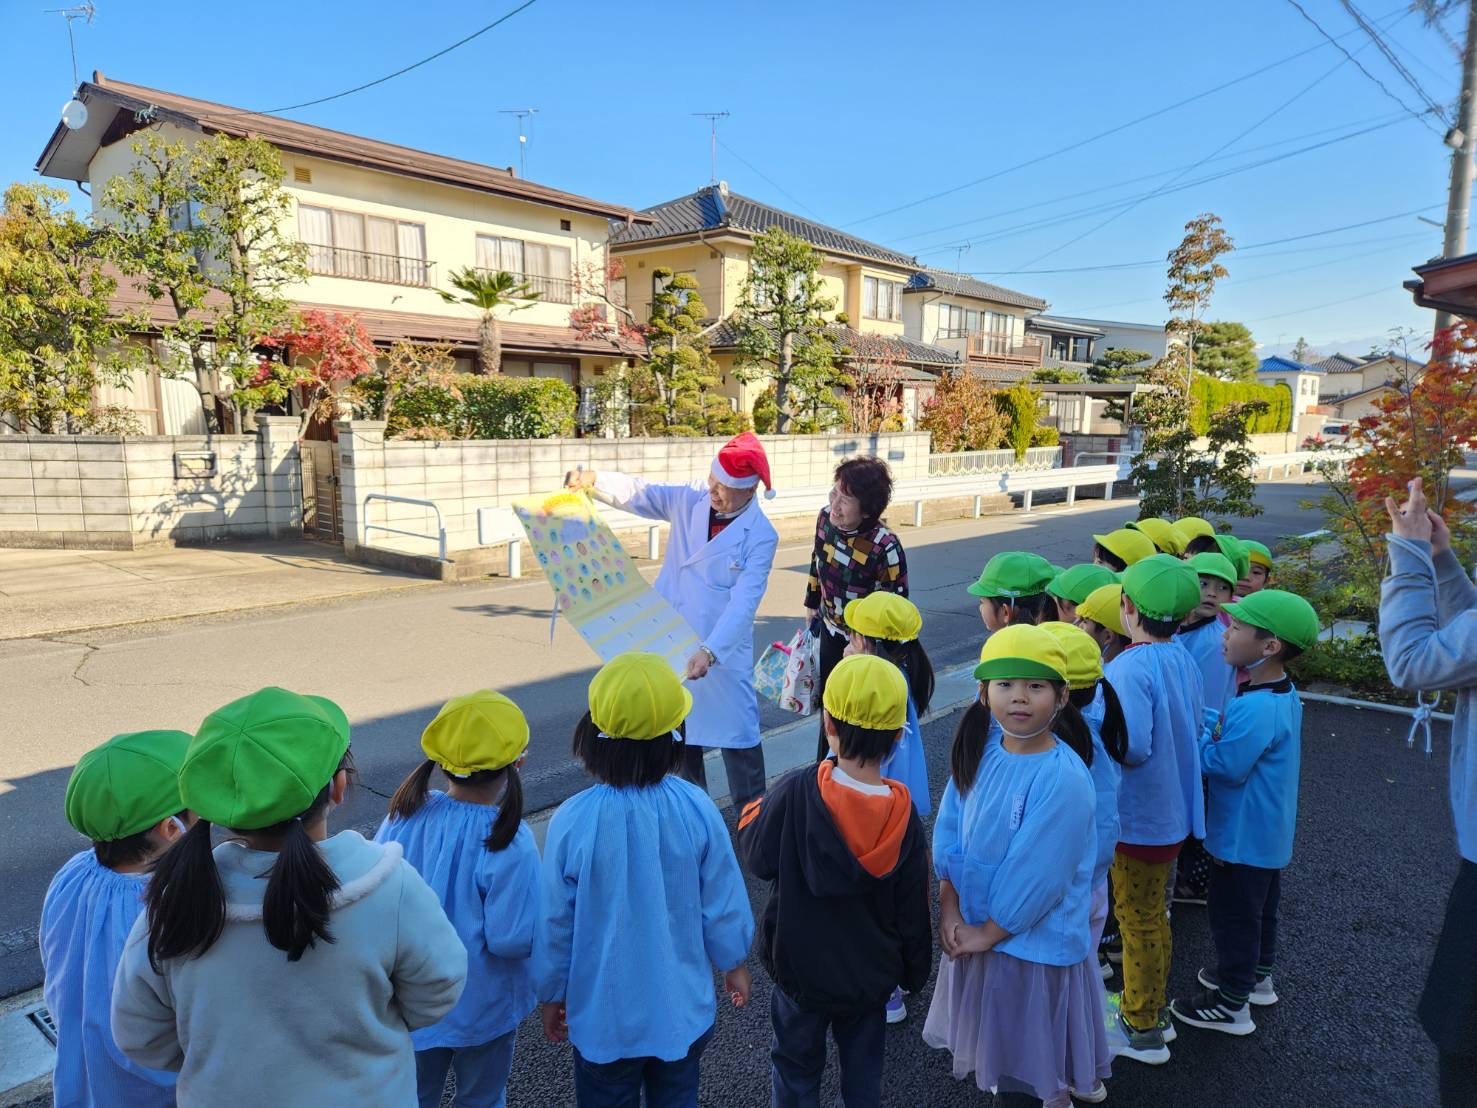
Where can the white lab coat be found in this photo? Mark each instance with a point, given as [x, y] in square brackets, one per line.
[716, 586]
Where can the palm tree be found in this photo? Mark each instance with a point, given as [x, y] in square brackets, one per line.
[488, 291]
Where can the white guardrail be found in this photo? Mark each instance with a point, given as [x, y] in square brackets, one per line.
[498, 525]
[439, 537]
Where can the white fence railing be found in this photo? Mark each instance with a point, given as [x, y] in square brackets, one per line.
[992, 461]
[439, 537]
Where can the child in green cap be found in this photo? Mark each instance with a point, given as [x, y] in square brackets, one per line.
[284, 966]
[1251, 762]
[125, 797]
[1160, 800]
[1012, 590]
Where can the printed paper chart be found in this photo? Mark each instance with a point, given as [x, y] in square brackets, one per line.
[595, 584]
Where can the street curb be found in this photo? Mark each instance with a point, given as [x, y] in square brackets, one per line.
[1371, 705]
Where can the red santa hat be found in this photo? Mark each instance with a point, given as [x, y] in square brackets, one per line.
[741, 464]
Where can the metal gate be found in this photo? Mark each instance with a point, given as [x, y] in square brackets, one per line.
[323, 505]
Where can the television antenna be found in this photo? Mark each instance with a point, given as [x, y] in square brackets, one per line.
[74, 112]
[959, 253]
[522, 114]
[713, 118]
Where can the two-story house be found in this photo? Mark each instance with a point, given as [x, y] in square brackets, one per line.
[384, 226]
[984, 324]
[709, 235]
[1351, 385]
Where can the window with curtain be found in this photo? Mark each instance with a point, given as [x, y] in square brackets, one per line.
[545, 267]
[369, 247]
[869, 297]
[881, 299]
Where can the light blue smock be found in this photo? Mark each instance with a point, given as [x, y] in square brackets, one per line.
[1107, 777]
[908, 764]
[1252, 769]
[1218, 676]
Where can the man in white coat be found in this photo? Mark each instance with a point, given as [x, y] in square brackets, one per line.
[715, 572]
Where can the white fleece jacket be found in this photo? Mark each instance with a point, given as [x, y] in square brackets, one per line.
[242, 1025]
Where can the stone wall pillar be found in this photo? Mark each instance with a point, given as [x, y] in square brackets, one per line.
[361, 447]
[281, 467]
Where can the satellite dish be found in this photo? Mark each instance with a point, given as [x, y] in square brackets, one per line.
[74, 115]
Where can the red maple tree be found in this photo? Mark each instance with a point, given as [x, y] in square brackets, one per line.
[321, 351]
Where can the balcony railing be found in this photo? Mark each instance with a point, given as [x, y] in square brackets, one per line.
[986, 346]
[363, 265]
[553, 290]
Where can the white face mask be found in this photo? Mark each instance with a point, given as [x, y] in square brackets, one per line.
[1039, 731]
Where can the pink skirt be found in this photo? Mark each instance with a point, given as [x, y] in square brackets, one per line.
[1020, 1027]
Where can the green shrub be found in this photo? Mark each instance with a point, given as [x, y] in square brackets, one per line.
[1212, 394]
[1045, 435]
[1022, 405]
[488, 408]
[1352, 663]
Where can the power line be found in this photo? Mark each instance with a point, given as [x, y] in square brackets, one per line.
[1357, 65]
[1384, 48]
[1077, 143]
[404, 69]
[1239, 249]
[1294, 98]
[786, 193]
[1384, 120]
[1068, 217]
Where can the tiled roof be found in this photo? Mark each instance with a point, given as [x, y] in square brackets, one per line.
[1275, 364]
[906, 351]
[713, 209]
[1339, 363]
[961, 284]
[113, 106]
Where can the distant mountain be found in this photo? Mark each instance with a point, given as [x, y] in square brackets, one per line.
[1355, 347]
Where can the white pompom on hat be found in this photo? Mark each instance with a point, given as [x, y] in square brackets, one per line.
[741, 464]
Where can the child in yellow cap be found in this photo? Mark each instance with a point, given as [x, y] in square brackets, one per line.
[847, 860]
[889, 626]
[285, 966]
[124, 796]
[1100, 614]
[472, 847]
[1018, 1000]
[641, 898]
[1258, 572]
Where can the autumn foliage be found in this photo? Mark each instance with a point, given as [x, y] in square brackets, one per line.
[320, 351]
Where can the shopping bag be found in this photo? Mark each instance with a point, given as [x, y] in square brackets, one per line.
[800, 690]
[769, 671]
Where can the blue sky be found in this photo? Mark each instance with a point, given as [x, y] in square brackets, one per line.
[842, 111]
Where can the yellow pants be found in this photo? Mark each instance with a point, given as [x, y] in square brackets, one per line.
[1138, 902]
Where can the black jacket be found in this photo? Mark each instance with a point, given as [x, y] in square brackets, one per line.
[834, 937]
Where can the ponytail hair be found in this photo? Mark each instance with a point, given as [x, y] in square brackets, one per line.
[300, 887]
[912, 659]
[185, 899]
[969, 745]
[410, 798]
[509, 812]
[1115, 724]
[1072, 729]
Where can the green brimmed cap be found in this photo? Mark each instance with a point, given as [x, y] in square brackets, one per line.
[1129, 546]
[1076, 583]
[1285, 614]
[127, 785]
[1162, 587]
[1235, 552]
[1014, 574]
[1023, 650]
[1207, 564]
[263, 758]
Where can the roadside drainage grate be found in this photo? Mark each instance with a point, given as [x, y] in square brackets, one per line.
[41, 1017]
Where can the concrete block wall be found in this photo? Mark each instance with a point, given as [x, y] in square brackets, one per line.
[460, 477]
[106, 492]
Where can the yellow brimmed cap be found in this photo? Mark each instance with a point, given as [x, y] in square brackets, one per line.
[867, 691]
[1130, 546]
[1162, 533]
[479, 730]
[1192, 527]
[1258, 552]
[1084, 656]
[637, 696]
[1022, 650]
[1105, 606]
[885, 615]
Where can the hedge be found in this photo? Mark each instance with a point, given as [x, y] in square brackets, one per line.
[1212, 394]
[488, 408]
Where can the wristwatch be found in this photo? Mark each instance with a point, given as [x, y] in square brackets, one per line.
[712, 658]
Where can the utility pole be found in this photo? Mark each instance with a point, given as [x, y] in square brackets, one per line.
[713, 118]
[1463, 143]
[522, 114]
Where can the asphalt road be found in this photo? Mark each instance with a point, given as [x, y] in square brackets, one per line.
[1361, 905]
[392, 660]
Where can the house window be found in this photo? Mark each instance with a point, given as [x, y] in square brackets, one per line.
[618, 292]
[545, 268]
[881, 299]
[367, 247]
[1080, 349]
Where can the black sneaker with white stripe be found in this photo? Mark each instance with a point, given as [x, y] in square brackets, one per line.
[1206, 1009]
